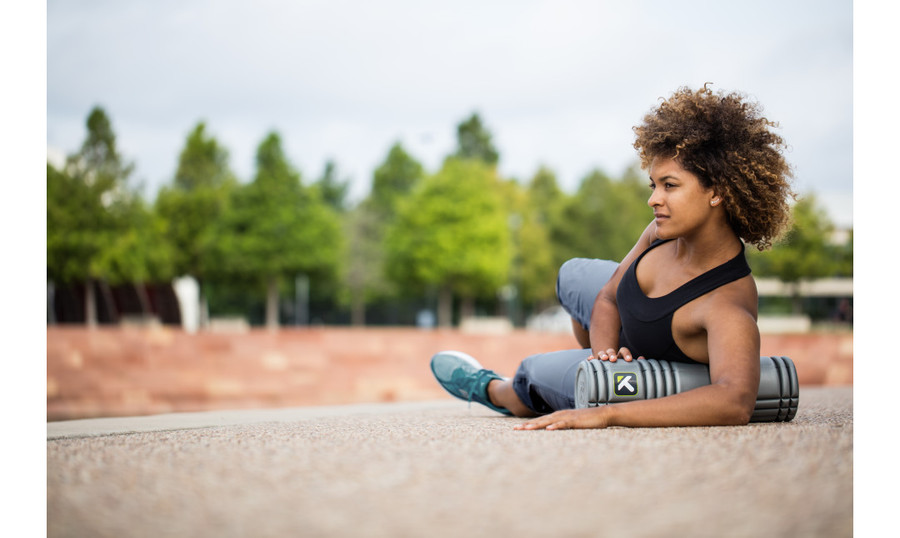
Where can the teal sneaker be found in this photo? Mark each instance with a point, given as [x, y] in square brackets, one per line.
[463, 377]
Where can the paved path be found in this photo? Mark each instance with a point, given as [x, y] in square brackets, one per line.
[442, 469]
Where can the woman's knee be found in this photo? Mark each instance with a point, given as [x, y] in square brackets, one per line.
[566, 280]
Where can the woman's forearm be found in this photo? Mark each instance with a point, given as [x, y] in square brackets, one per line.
[710, 405]
[605, 325]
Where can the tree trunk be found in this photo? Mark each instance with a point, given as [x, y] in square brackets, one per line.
[358, 310]
[202, 306]
[90, 305]
[51, 303]
[272, 304]
[445, 307]
[467, 308]
[144, 298]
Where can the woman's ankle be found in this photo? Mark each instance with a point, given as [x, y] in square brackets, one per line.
[502, 394]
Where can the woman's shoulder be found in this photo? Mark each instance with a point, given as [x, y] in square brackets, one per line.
[740, 295]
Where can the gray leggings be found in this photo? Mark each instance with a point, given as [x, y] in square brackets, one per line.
[546, 382]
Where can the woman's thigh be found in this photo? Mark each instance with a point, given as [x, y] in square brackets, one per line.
[578, 283]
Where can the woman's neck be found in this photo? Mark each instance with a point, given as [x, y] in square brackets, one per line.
[708, 248]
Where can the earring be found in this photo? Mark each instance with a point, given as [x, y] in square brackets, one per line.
[714, 201]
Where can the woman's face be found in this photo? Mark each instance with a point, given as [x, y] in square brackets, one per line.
[681, 205]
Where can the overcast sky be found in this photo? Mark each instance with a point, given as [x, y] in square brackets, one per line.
[558, 83]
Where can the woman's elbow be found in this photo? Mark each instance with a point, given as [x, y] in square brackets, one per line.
[740, 415]
[737, 410]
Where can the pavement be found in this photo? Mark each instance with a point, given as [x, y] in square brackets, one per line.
[442, 468]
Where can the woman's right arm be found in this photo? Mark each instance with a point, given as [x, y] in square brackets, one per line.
[605, 322]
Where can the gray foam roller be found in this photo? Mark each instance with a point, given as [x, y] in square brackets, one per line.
[603, 382]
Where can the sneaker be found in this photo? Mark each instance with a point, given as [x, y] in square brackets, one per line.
[463, 377]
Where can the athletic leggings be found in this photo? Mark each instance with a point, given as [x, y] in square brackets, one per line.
[546, 382]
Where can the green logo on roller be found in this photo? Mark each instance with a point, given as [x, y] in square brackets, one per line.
[626, 384]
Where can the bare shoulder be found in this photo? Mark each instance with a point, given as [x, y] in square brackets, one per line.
[729, 317]
[741, 294]
[738, 298]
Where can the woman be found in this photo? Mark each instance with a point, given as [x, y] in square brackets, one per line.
[684, 292]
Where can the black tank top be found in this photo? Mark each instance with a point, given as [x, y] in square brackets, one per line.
[647, 322]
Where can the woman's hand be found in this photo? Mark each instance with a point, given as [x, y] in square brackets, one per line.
[611, 355]
[594, 417]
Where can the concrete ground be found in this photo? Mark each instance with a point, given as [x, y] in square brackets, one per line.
[442, 469]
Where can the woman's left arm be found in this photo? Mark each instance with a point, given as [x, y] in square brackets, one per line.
[729, 399]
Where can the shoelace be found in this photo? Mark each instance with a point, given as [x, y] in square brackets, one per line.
[481, 373]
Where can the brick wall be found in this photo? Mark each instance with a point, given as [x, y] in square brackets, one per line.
[136, 371]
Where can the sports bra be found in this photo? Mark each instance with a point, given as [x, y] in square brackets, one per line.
[647, 321]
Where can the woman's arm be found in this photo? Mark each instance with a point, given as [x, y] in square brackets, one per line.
[605, 322]
[733, 339]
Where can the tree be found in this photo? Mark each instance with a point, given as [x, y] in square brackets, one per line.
[805, 252]
[474, 141]
[605, 217]
[98, 228]
[394, 179]
[532, 267]
[138, 252]
[195, 201]
[452, 233]
[275, 228]
[333, 190]
[365, 229]
[364, 278]
[550, 204]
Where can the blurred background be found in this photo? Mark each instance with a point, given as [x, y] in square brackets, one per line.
[297, 203]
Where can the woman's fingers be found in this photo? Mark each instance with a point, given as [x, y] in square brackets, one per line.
[564, 420]
[612, 355]
[608, 355]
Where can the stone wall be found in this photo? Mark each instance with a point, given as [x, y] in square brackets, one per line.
[126, 371]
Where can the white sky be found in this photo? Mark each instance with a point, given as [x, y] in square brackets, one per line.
[558, 83]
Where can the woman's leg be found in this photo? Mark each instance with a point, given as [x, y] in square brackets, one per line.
[543, 383]
[503, 394]
[577, 285]
[582, 335]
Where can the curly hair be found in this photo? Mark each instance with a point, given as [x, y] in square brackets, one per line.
[726, 142]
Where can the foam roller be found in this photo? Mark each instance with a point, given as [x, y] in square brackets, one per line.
[602, 382]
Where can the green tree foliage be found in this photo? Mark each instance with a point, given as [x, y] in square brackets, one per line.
[78, 227]
[452, 233]
[394, 179]
[364, 278]
[195, 200]
[806, 252]
[843, 257]
[366, 225]
[138, 252]
[550, 204]
[333, 190]
[533, 267]
[605, 217]
[98, 227]
[275, 228]
[474, 141]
